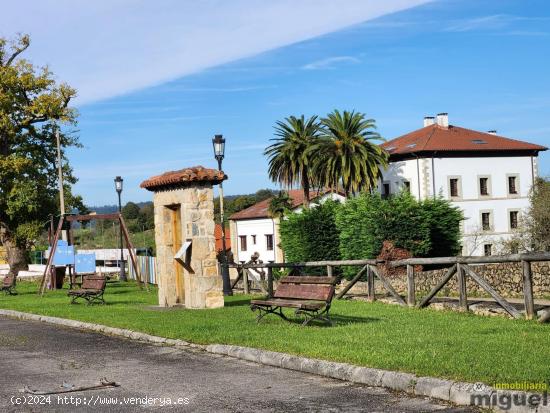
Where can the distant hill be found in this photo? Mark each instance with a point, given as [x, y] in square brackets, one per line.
[109, 209]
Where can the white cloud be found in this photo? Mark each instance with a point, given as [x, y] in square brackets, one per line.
[106, 48]
[330, 62]
[491, 22]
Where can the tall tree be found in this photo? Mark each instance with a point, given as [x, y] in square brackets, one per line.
[32, 105]
[280, 205]
[345, 155]
[130, 210]
[289, 155]
[533, 232]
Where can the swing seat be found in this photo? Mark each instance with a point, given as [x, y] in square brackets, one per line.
[92, 289]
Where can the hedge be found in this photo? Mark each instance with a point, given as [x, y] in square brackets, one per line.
[357, 229]
[311, 235]
[428, 228]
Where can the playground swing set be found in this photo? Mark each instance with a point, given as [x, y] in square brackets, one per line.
[90, 281]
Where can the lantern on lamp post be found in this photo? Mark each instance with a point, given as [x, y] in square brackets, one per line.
[218, 144]
[118, 187]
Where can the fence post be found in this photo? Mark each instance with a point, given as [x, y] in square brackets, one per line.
[463, 297]
[329, 270]
[245, 280]
[270, 281]
[370, 284]
[528, 290]
[411, 298]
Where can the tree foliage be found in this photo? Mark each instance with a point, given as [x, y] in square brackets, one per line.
[280, 205]
[539, 215]
[32, 106]
[233, 204]
[336, 152]
[345, 154]
[358, 228]
[311, 235]
[429, 228]
[130, 211]
[533, 232]
[290, 156]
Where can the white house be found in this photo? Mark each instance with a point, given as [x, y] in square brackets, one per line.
[254, 231]
[488, 176]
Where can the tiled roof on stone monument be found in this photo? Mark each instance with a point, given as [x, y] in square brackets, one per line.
[183, 176]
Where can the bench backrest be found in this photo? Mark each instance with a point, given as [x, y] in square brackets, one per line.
[93, 283]
[318, 288]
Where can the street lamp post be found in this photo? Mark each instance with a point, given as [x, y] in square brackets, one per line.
[118, 187]
[218, 144]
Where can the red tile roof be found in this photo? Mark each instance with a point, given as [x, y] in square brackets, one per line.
[174, 178]
[259, 210]
[435, 138]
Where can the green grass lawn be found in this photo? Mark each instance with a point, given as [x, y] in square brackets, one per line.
[426, 342]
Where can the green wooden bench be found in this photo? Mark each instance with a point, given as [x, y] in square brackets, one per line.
[310, 296]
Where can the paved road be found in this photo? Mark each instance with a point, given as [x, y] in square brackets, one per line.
[42, 357]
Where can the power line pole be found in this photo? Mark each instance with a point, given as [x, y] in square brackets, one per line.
[60, 173]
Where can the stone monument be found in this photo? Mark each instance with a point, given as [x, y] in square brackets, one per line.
[187, 267]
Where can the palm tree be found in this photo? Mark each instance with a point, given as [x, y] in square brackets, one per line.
[280, 205]
[289, 154]
[345, 154]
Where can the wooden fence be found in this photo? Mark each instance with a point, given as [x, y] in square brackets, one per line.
[147, 269]
[461, 267]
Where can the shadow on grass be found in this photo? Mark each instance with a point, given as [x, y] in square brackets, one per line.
[337, 320]
[238, 303]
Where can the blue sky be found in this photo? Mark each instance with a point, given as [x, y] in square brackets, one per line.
[485, 63]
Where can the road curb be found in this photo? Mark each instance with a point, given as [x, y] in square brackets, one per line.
[100, 328]
[458, 393]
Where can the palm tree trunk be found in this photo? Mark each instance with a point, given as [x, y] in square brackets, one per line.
[305, 186]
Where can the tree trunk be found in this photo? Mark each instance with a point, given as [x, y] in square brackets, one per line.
[17, 259]
[305, 186]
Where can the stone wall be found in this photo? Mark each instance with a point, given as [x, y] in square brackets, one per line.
[506, 278]
[194, 203]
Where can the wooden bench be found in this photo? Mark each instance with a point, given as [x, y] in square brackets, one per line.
[8, 285]
[308, 295]
[92, 289]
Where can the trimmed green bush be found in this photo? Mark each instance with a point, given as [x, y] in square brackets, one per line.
[425, 228]
[311, 235]
[357, 229]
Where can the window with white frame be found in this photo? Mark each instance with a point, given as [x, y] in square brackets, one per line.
[513, 219]
[484, 185]
[454, 187]
[512, 184]
[486, 220]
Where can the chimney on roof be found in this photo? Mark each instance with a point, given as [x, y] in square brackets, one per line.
[492, 132]
[442, 120]
[428, 120]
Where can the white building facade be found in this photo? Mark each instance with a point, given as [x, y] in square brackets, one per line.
[488, 177]
[254, 232]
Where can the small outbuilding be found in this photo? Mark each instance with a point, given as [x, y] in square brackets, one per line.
[187, 266]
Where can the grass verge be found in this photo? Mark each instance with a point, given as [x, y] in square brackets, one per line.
[425, 342]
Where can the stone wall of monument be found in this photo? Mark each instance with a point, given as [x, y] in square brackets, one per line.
[195, 204]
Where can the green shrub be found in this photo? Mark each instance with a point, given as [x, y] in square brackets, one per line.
[311, 235]
[425, 228]
[357, 229]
